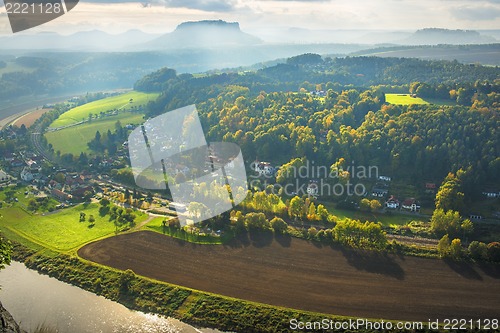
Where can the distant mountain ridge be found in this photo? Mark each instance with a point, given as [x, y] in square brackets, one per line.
[92, 40]
[434, 36]
[204, 34]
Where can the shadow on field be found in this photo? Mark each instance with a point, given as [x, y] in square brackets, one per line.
[373, 262]
[492, 270]
[261, 238]
[283, 240]
[463, 268]
[239, 241]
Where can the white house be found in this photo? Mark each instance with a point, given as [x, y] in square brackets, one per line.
[411, 204]
[385, 178]
[178, 207]
[491, 194]
[392, 203]
[264, 168]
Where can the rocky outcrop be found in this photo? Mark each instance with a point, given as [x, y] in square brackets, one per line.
[7, 323]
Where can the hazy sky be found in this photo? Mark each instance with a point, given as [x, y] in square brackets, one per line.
[164, 15]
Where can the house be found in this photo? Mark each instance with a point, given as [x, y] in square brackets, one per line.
[430, 186]
[54, 184]
[411, 204]
[380, 190]
[26, 175]
[392, 203]
[63, 196]
[491, 194]
[33, 166]
[475, 216]
[319, 93]
[178, 207]
[4, 177]
[264, 168]
[385, 178]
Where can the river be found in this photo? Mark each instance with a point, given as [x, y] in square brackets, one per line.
[34, 299]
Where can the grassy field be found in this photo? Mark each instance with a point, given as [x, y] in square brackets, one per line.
[156, 225]
[404, 99]
[120, 103]
[74, 139]
[385, 219]
[61, 230]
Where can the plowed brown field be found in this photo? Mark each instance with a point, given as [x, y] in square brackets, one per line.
[297, 274]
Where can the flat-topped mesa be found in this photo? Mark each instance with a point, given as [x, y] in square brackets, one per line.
[205, 34]
[209, 23]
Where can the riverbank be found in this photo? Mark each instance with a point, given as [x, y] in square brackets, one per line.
[194, 307]
[42, 304]
[7, 322]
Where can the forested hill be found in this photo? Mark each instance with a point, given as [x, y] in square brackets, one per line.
[308, 70]
[358, 71]
[273, 116]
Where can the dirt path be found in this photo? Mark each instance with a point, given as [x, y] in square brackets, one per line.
[143, 223]
[297, 274]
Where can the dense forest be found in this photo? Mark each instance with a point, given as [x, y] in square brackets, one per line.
[273, 116]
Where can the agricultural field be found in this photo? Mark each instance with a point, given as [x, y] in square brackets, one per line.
[74, 139]
[30, 118]
[121, 103]
[296, 274]
[404, 99]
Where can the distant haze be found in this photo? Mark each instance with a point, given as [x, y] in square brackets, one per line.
[162, 16]
[212, 34]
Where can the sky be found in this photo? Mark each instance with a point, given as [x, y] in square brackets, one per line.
[161, 16]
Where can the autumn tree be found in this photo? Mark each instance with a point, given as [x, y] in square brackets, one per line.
[449, 196]
[5, 252]
[494, 251]
[296, 208]
[279, 225]
[478, 250]
[449, 222]
[456, 251]
[444, 246]
[322, 213]
[375, 205]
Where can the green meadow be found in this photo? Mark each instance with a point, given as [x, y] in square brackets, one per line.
[156, 225]
[74, 139]
[59, 231]
[122, 103]
[393, 219]
[404, 99]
